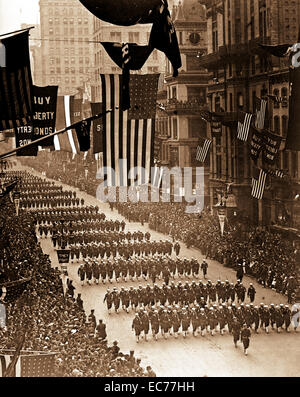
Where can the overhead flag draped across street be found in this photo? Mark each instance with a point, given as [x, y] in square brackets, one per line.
[128, 137]
[69, 112]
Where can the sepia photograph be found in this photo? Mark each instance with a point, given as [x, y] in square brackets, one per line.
[149, 192]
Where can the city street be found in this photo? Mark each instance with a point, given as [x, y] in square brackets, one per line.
[193, 356]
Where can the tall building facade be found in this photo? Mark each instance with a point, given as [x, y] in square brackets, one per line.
[179, 125]
[139, 34]
[238, 73]
[66, 51]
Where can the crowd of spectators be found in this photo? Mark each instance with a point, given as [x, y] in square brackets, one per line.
[266, 255]
[52, 321]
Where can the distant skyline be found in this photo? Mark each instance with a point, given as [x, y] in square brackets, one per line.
[15, 12]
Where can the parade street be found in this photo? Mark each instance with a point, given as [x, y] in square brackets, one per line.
[269, 355]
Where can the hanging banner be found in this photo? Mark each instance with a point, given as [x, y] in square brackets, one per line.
[63, 256]
[97, 128]
[256, 144]
[272, 144]
[222, 217]
[216, 126]
[24, 136]
[44, 116]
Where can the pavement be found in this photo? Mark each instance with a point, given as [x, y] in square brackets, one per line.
[270, 355]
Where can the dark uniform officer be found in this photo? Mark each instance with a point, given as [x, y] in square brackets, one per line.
[245, 338]
[236, 331]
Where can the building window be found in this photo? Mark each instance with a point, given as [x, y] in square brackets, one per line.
[284, 125]
[175, 130]
[295, 164]
[174, 93]
[217, 104]
[276, 94]
[115, 36]
[133, 37]
[231, 102]
[277, 125]
[284, 95]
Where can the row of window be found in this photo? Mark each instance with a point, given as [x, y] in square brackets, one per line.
[69, 70]
[67, 80]
[71, 21]
[67, 31]
[69, 51]
[70, 60]
[79, 10]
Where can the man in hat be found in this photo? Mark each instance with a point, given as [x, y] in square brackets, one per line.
[92, 319]
[236, 331]
[109, 300]
[101, 330]
[204, 267]
[137, 326]
[245, 338]
[251, 293]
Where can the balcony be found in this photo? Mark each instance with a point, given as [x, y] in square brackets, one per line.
[233, 52]
[192, 106]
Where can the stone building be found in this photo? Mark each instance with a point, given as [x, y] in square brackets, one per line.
[66, 51]
[179, 125]
[239, 72]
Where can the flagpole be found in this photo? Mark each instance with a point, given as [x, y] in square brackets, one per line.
[17, 31]
[18, 149]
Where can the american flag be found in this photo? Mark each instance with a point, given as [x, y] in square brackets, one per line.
[202, 151]
[28, 364]
[128, 137]
[275, 173]
[258, 186]
[244, 128]
[16, 89]
[261, 113]
[157, 176]
[69, 112]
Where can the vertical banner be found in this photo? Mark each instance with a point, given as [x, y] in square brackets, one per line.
[96, 108]
[222, 217]
[216, 126]
[24, 136]
[44, 116]
[257, 143]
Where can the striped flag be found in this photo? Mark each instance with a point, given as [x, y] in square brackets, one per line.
[244, 128]
[202, 151]
[128, 137]
[258, 186]
[261, 113]
[16, 90]
[157, 177]
[69, 112]
[28, 364]
[275, 173]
